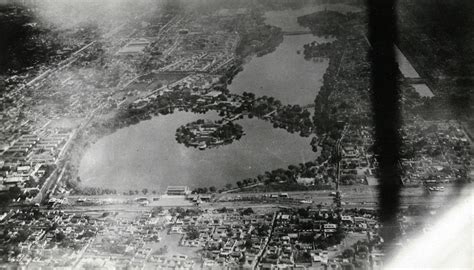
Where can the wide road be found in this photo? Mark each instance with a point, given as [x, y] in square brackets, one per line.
[357, 196]
[352, 197]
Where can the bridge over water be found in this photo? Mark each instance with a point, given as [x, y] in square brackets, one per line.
[295, 33]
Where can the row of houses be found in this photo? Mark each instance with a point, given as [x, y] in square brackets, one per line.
[31, 148]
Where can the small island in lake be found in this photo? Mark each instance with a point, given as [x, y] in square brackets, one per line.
[205, 134]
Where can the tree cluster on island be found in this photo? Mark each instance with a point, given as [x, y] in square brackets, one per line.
[208, 133]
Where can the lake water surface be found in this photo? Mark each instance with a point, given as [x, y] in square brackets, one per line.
[284, 74]
[147, 155]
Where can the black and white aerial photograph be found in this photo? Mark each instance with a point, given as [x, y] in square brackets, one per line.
[237, 134]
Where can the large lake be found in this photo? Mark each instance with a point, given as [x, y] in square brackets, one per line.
[284, 74]
[147, 154]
